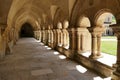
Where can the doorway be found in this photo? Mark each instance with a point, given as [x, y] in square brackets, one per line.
[26, 30]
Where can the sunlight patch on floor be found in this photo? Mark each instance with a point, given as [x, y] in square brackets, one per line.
[81, 69]
[38, 40]
[56, 53]
[49, 48]
[62, 57]
[99, 78]
[41, 44]
[46, 46]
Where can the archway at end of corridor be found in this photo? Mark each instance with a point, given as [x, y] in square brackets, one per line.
[26, 30]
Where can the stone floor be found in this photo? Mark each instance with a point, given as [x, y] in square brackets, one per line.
[32, 60]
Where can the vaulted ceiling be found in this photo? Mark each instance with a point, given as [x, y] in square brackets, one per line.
[14, 13]
[37, 12]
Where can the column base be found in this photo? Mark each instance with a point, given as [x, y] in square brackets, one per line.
[60, 49]
[49, 44]
[2, 55]
[69, 53]
[115, 66]
[52, 45]
[95, 56]
[79, 51]
[116, 76]
[45, 42]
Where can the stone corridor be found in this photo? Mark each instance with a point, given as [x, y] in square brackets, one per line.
[32, 60]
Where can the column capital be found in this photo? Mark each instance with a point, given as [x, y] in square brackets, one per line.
[2, 27]
[116, 29]
[96, 29]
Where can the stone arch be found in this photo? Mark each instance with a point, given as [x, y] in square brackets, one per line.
[21, 20]
[36, 11]
[26, 30]
[100, 21]
[29, 19]
[83, 21]
[58, 17]
[97, 16]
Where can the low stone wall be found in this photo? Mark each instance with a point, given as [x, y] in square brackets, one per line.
[116, 76]
[94, 65]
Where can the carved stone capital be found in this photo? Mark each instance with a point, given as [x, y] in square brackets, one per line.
[96, 31]
[116, 29]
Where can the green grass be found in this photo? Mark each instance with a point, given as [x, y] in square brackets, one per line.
[108, 37]
[109, 47]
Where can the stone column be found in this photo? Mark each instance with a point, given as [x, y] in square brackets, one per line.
[116, 73]
[61, 38]
[65, 35]
[83, 42]
[93, 46]
[99, 44]
[45, 36]
[78, 41]
[118, 52]
[2, 44]
[35, 34]
[48, 35]
[96, 33]
[51, 39]
[40, 35]
[59, 34]
[65, 39]
[73, 43]
[55, 38]
[73, 40]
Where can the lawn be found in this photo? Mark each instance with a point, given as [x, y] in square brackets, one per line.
[109, 47]
[109, 37]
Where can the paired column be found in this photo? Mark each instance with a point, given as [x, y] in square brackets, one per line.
[55, 41]
[65, 39]
[118, 53]
[40, 36]
[59, 35]
[45, 36]
[96, 34]
[51, 38]
[65, 35]
[79, 43]
[73, 40]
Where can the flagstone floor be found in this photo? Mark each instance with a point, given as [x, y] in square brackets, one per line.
[32, 60]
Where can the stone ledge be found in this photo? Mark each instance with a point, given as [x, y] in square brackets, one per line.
[116, 76]
[94, 65]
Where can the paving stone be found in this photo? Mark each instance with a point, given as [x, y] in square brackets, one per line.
[41, 72]
[71, 67]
